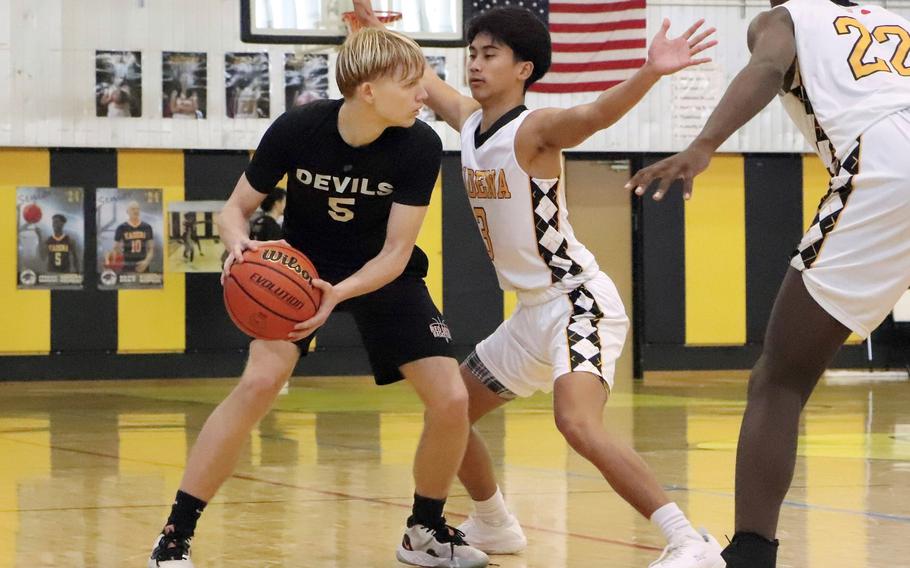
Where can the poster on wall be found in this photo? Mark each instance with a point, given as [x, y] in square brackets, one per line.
[246, 84]
[438, 64]
[118, 83]
[306, 78]
[130, 227]
[51, 237]
[193, 243]
[696, 92]
[184, 85]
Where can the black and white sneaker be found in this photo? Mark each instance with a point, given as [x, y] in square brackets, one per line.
[441, 546]
[171, 550]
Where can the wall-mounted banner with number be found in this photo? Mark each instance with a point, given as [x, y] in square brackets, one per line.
[51, 241]
[130, 238]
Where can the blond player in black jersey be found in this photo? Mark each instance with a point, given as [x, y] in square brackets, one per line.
[361, 171]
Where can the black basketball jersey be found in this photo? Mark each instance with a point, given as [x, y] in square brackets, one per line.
[339, 197]
[134, 241]
[265, 228]
[59, 254]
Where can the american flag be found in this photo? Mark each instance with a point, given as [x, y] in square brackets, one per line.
[596, 44]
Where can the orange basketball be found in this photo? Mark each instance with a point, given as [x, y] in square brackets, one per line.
[114, 260]
[271, 291]
[31, 213]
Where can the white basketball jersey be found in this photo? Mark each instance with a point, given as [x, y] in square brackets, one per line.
[523, 221]
[852, 71]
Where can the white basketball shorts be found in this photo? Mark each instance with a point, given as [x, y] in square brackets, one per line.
[581, 330]
[855, 258]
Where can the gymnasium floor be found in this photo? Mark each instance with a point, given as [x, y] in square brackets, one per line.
[89, 469]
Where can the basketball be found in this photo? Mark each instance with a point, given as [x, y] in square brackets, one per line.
[114, 260]
[31, 213]
[271, 291]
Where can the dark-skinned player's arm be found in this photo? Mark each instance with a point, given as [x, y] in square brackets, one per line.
[773, 47]
[553, 128]
[234, 223]
[445, 100]
[401, 236]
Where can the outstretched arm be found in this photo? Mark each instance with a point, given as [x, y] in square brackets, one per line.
[773, 47]
[566, 128]
[445, 100]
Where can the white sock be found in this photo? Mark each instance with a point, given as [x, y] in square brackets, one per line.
[672, 522]
[492, 511]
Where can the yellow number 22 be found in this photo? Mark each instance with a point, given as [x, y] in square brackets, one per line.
[881, 34]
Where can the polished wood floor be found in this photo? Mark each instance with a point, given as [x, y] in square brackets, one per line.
[89, 469]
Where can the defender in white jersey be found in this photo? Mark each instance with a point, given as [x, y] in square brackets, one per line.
[841, 72]
[570, 325]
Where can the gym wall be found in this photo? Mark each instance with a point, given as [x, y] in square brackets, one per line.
[704, 274]
[47, 52]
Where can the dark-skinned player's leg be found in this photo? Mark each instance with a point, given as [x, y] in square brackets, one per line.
[800, 342]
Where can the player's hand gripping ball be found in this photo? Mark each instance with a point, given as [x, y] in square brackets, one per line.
[271, 291]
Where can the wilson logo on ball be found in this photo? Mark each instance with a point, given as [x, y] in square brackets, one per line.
[285, 296]
[290, 262]
[271, 291]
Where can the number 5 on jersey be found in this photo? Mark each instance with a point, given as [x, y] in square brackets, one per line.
[339, 208]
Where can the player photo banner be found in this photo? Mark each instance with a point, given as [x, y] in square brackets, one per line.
[51, 237]
[184, 85]
[118, 84]
[193, 244]
[438, 64]
[306, 78]
[130, 235]
[246, 85]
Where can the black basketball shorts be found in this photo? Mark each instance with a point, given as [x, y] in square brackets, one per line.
[399, 324]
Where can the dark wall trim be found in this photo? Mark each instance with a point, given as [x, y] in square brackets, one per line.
[109, 365]
[774, 217]
[663, 267]
[87, 318]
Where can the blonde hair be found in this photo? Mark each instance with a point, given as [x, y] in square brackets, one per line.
[371, 53]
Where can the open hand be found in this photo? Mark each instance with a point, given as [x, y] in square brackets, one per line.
[667, 56]
[683, 166]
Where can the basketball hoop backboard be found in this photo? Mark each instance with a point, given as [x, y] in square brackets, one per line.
[432, 23]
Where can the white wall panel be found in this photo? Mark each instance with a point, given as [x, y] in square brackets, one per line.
[6, 76]
[47, 50]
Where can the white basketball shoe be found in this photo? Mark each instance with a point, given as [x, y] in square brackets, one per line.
[691, 551]
[505, 538]
[442, 546]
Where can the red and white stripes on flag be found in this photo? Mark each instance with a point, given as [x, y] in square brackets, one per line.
[596, 44]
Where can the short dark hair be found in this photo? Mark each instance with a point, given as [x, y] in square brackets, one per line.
[59, 217]
[845, 3]
[519, 29]
[274, 196]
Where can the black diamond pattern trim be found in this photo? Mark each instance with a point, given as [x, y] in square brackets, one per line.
[826, 224]
[579, 314]
[542, 225]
